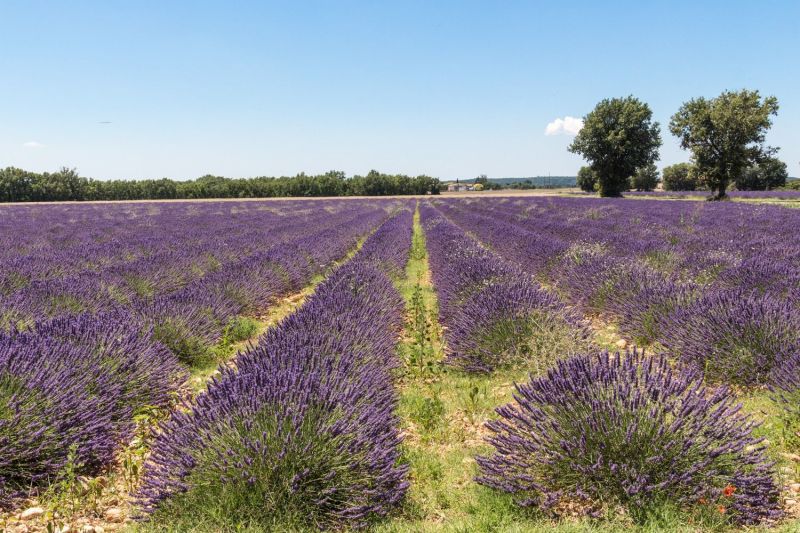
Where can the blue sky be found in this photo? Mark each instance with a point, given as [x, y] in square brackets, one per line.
[452, 89]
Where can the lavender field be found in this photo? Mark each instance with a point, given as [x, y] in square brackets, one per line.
[780, 194]
[435, 364]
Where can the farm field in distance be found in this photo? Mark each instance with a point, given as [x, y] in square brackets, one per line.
[519, 361]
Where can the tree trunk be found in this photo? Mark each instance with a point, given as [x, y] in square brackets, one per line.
[610, 188]
[723, 185]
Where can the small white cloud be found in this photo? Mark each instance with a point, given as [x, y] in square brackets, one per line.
[33, 144]
[564, 126]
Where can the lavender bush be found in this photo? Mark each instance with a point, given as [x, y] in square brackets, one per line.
[734, 336]
[121, 351]
[644, 301]
[494, 313]
[514, 323]
[48, 411]
[69, 390]
[603, 430]
[784, 383]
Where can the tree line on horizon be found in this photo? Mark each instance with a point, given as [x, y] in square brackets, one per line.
[725, 136]
[17, 185]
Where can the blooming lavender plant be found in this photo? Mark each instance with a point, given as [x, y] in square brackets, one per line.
[48, 412]
[69, 389]
[495, 314]
[784, 383]
[734, 336]
[603, 430]
[514, 323]
[119, 349]
[644, 301]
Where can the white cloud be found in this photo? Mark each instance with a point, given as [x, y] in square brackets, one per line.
[33, 144]
[564, 126]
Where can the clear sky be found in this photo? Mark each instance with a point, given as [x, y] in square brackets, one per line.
[451, 89]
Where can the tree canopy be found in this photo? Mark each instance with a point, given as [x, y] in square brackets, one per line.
[618, 137]
[646, 178]
[679, 177]
[17, 185]
[767, 174]
[725, 134]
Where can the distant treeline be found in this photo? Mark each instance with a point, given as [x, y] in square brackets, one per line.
[17, 185]
[533, 182]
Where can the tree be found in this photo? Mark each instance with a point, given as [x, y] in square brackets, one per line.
[618, 137]
[63, 185]
[487, 185]
[587, 179]
[646, 178]
[16, 185]
[725, 134]
[768, 174]
[793, 184]
[679, 177]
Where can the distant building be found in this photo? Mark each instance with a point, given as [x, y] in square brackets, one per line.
[457, 187]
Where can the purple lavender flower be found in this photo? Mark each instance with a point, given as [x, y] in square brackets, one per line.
[302, 433]
[514, 323]
[734, 336]
[494, 313]
[52, 409]
[628, 430]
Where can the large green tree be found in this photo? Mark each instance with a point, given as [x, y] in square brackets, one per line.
[725, 134]
[679, 177]
[618, 137]
[768, 174]
[646, 178]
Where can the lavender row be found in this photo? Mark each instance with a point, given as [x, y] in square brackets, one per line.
[69, 391]
[192, 320]
[181, 241]
[190, 317]
[71, 385]
[596, 432]
[167, 258]
[709, 242]
[493, 313]
[302, 433]
[736, 318]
